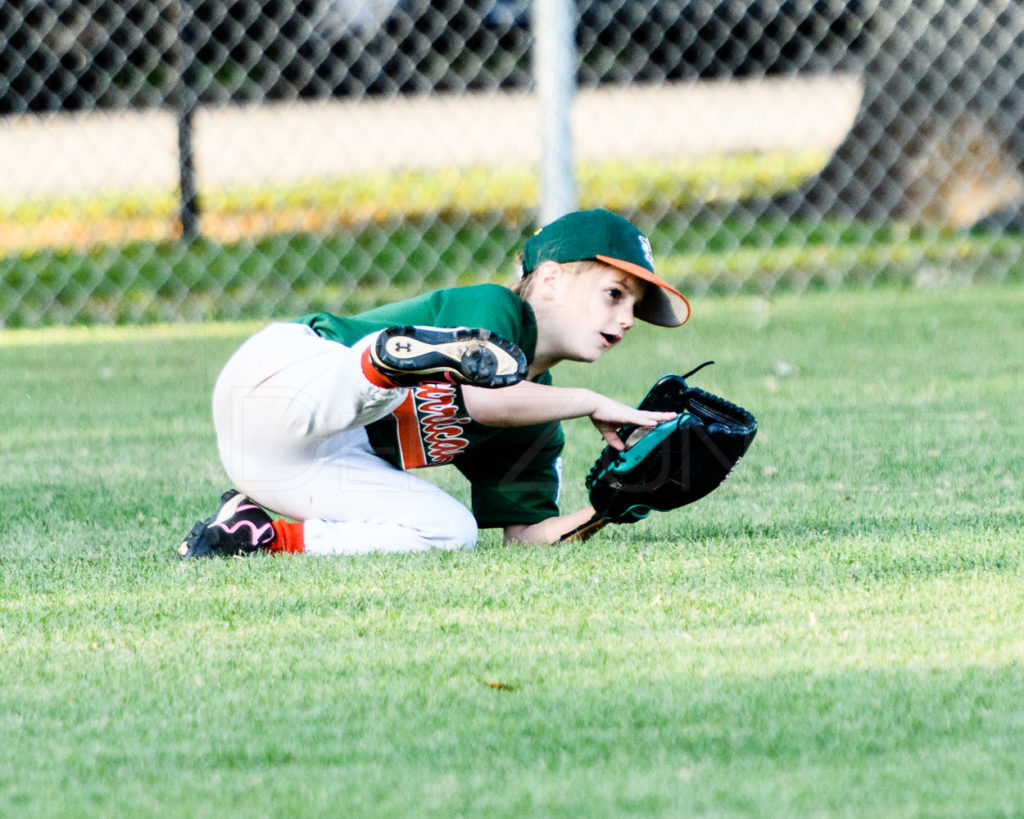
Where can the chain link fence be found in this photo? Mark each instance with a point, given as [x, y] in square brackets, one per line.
[185, 160]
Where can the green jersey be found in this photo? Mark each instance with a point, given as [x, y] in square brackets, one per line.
[514, 472]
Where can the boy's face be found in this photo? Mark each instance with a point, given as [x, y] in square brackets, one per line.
[596, 307]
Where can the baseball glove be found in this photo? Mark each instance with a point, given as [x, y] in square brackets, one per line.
[673, 464]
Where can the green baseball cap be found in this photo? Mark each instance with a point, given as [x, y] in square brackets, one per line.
[607, 237]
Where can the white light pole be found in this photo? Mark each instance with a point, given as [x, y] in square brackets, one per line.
[554, 71]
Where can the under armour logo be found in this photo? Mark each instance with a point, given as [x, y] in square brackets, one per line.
[403, 347]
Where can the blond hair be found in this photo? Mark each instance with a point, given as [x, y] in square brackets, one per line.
[523, 287]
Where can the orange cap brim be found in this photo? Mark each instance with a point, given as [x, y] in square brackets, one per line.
[667, 308]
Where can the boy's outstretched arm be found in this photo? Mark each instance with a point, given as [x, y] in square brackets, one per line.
[528, 403]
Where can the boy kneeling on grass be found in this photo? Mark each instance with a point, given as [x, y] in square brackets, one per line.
[318, 420]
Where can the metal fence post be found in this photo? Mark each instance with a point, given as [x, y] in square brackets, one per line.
[555, 78]
[185, 101]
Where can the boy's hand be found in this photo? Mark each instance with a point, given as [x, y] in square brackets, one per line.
[609, 415]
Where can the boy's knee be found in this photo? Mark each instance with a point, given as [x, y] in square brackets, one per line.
[460, 528]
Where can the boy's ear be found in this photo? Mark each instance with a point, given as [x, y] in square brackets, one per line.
[545, 275]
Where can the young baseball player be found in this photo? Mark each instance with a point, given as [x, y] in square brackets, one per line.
[321, 419]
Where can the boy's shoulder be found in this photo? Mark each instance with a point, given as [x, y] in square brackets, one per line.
[486, 299]
[487, 305]
[491, 306]
[487, 291]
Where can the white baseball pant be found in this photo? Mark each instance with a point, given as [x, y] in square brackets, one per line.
[289, 410]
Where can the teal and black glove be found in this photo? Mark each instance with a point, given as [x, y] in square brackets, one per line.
[673, 464]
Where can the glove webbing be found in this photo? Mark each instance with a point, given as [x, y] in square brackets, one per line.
[712, 408]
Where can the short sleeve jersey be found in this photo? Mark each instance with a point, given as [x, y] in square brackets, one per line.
[514, 472]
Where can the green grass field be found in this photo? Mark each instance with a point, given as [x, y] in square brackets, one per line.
[836, 632]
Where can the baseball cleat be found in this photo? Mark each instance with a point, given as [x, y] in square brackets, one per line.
[238, 527]
[407, 356]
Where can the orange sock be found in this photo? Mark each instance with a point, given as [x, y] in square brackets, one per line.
[372, 374]
[289, 537]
